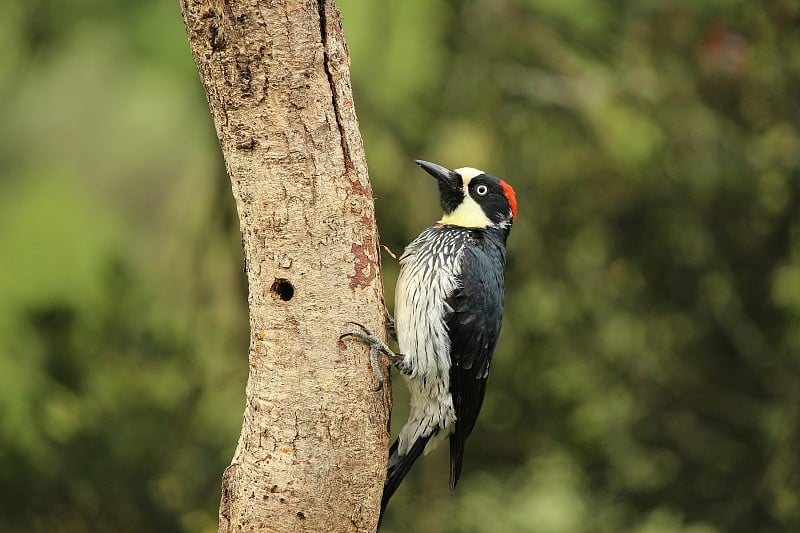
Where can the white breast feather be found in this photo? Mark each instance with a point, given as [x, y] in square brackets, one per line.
[427, 277]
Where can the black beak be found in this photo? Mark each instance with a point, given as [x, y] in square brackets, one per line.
[444, 175]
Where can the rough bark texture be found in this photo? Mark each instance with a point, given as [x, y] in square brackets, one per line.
[312, 452]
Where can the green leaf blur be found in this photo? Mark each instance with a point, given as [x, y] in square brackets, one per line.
[648, 374]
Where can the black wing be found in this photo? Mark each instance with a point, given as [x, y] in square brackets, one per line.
[474, 326]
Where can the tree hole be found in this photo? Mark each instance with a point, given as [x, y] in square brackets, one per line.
[282, 289]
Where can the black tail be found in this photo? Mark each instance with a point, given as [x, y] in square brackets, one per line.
[456, 458]
[399, 466]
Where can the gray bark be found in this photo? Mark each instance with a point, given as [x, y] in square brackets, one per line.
[312, 452]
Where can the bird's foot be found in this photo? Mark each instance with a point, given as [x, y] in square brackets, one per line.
[390, 329]
[376, 346]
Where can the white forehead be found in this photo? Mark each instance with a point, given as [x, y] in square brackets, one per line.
[467, 173]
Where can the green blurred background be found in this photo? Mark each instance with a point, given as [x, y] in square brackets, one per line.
[648, 375]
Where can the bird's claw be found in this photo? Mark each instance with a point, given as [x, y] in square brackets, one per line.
[376, 347]
[390, 328]
[363, 328]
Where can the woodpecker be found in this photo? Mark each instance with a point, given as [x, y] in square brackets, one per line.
[448, 313]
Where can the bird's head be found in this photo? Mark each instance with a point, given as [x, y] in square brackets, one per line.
[471, 198]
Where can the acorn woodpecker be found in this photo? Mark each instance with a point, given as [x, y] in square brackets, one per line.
[448, 312]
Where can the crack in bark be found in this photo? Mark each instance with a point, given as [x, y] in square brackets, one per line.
[323, 25]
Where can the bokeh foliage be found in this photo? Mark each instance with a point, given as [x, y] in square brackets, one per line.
[648, 375]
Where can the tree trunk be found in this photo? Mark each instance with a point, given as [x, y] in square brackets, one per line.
[312, 452]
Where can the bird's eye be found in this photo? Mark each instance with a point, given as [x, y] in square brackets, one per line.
[481, 190]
